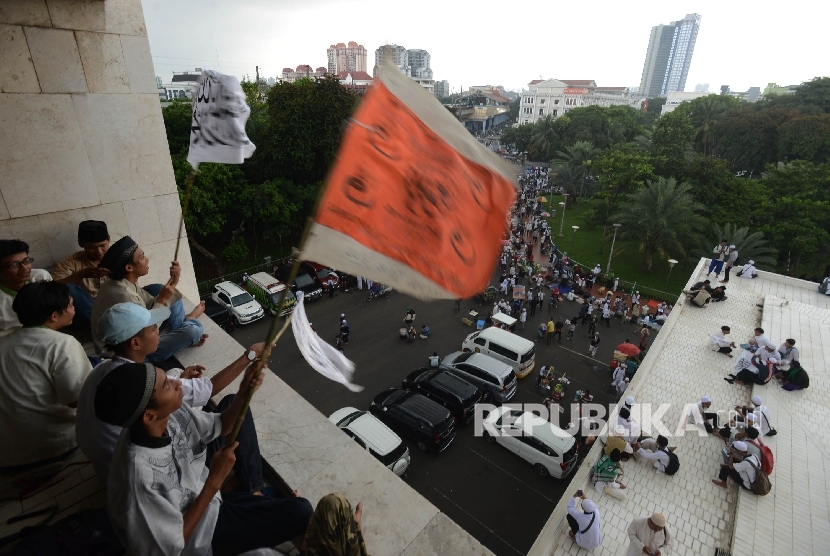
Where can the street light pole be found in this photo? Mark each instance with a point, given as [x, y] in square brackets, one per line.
[611, 254]
[671, 262]
[562, 223]
[574, 239]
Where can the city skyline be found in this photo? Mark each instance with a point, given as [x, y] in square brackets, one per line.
[274, 35]
[669, 56]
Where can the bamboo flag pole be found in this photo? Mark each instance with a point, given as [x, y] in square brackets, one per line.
[188, 190]
[273, 336]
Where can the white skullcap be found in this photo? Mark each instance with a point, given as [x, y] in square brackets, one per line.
[629, 400]
[589, 506]
[757, 400]
[751, 262]
[740, 446]
[773, 360]
[750, 417]
[731, 246]
[706, 399]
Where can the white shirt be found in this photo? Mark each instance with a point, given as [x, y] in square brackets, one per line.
[618, 376]
[659, 457]
[96, 438]
[640, 535]
[41, 373]
[433, 361]
[763, 420]
[747, 271]
[8, 318]
[591, 538]
[717, 341]
[787, 356]
[746, 470]
[154, 481]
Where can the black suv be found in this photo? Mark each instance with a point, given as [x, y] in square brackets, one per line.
[303, 282]
[456, 394]
[431, 426]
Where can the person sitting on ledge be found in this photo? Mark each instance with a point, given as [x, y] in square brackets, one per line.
[748, 271]
[127, 263]
[42, 374]
[131, 332]
[796, 378]
[80, 270]
[15, 272]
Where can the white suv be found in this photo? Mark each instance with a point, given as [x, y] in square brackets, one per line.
[242, 305]
[368, 431]
[551, 451]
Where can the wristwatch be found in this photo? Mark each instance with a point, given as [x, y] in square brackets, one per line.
[251, 355]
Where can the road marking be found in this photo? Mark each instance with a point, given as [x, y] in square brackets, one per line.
[480, 523]
[554, 502]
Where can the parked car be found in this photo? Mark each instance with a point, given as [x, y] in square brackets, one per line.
[219, 314]
[456, 394]
[268, 291]
[320, 274]
[483, 371]
[303, 282]
[241, 304]
[430, 425]
[368, 431]
[548, 448]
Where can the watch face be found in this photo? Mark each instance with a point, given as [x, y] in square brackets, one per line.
[251, 355]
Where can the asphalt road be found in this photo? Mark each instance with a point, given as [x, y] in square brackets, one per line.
[489, 491]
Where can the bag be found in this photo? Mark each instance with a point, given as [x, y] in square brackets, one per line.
[347, 329]
[593, 517]
[767, 459]
[674, 463]
[761, 485]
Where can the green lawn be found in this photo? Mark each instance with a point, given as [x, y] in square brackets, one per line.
[584, 247]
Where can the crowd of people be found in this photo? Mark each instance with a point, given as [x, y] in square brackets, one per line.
[174, 485]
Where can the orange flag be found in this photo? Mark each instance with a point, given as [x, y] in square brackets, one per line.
[413, 200]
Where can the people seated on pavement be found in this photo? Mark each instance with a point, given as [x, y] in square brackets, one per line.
[795, 378]
[585, 524]
[127, 263]
[41, 378]
[162, 497]
[80, 270]
[702, 415]
[756, 371]
[763, 416]
[699, 297]
[131, 333]
[748, 271]
[425, 332]
[742, 467]
[719, 343]
[15, 272]
[789, 353]
[655, 450]
[606, 471]
[703, 285]
[718, 294]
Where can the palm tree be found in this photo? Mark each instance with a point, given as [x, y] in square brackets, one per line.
[704, 114]
[661, 218]
[749, 245]
[578, 156]
[567, 177]
[544, 137]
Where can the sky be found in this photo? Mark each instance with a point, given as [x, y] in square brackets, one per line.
[740, 44]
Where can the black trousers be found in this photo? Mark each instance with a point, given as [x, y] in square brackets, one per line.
[248, 466]
[726, 276]
[725, 472]
[713, 417]
[726, 349]
[247, 522]
[572, 524]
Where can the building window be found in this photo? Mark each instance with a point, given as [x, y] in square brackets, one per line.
[541, 111]
[554, 112]
[556, 101]
[542, 101]
[529, 100]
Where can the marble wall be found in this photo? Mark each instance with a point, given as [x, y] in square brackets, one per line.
[81, 132]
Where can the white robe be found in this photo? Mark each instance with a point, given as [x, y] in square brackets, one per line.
[591, 538]
[640, 535]
[717, 341]
[748, 271]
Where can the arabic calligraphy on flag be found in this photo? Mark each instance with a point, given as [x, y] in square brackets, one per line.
[413, 200]
[217, 131]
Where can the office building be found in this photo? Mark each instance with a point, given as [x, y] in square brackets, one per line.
[669, 55]
[702, 88]
[303, 70]
[554, 97]
[351, 57]
[414, 63]
[442, 89]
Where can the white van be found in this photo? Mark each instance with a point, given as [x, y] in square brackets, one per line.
[550, 450]
[505, 346]
[368, 431]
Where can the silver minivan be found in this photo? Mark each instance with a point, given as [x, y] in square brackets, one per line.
[483, 371]
[370, 433]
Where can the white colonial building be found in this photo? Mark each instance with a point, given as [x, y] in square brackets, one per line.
[554, 97]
